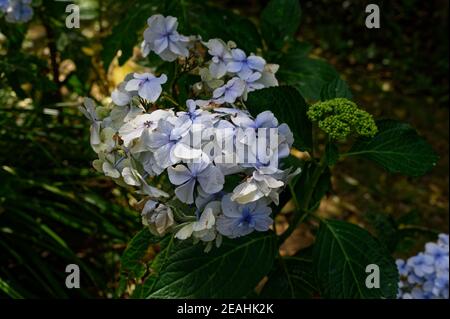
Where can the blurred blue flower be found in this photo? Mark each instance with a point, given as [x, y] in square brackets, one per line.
[426, 275]
[439, 254]
[401, 266]
[421, 264]
[18, 11]
[443, 240]
[4, 4]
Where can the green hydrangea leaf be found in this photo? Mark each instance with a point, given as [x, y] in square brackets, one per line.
[125, 34]
[133, 258]
[398, 148]
[230, 271]
[293, 277]
[308, 75]
[280, 20]
[335, 88]
[342, 252]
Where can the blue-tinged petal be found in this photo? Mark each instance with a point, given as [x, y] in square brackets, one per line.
[156, 23]
[157, 140]
[230, 208]
[168, 55]
[216, 47]
[218, 69]
[143, 76]
[245, 71]
[211, 180]
[179, 174]
[256, 62]
[171, 24]
[266, 119]
[163, 155]
[161, 79]
[226, 226]
[253, 77]
[160, 44]
[120, 98]
[238, 55]
[179, 48]
[133, 85]
[150, 90]
[234, 66]
[219, 92]
[185, 192]
[262, 222]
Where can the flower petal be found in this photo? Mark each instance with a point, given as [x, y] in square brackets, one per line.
[179, 174]
[185, 192]
[133, 85]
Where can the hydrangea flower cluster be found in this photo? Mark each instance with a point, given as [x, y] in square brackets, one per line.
[17, 11]
[425, 276]
[222, 163]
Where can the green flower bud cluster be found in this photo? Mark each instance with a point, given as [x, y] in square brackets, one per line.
[341, 117]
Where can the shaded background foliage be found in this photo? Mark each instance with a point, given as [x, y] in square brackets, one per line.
[55, 210]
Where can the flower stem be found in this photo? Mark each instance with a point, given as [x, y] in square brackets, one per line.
[303, 208]
[170, 99]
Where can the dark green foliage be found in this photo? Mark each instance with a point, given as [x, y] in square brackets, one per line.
[398, 148]
[52, 208]
[288, 107]
[280, 20]
[323, 185]
[308, 75]
[127, 32]
[335, 88]
[342, 252]
[292, 277]
[231, 271]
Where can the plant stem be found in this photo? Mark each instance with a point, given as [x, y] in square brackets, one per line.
[170, 99]
[100, 16]
[303, 208]
[56, 95]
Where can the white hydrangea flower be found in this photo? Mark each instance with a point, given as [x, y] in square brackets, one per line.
[89, 111]
[142, 123]
[203, 228]
[268, 78]
[158, 217]
[132, 177]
